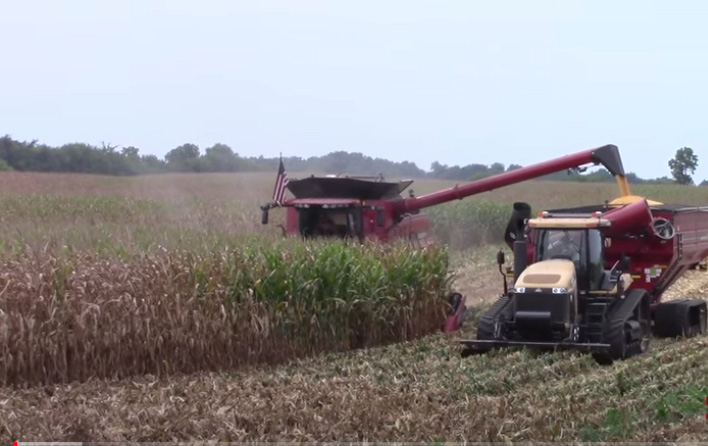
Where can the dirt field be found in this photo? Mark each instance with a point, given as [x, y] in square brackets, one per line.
[415, 391]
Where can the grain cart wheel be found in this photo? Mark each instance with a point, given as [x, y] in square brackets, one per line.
[696, 317]
[686, 317]
[702, 265]
[704, 318]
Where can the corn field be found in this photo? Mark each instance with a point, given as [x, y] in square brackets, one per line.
[72, 316]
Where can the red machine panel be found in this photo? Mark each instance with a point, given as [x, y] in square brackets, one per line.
[659, 253]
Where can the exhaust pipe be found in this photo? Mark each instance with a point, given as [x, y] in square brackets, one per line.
[515, 235]
[519, 258]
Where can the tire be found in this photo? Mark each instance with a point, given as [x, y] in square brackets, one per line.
[697, 314]
[680, 318]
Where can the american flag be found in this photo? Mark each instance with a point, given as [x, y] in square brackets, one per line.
[280, 182]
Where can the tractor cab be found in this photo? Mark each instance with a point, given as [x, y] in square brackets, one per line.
[579, 240]
[582, 247]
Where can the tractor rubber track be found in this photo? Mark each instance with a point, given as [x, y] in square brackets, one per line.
[487, 323]
[622, 312]
[488, 320]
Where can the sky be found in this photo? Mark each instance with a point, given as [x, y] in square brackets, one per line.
[457, 82]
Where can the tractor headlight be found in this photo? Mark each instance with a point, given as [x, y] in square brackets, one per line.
[519, 289]
[559, 290]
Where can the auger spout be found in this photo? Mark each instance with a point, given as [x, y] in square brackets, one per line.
[607, 155]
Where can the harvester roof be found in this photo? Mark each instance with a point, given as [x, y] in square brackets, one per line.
[342, 187]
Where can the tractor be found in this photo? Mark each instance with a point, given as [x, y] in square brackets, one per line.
[591, 278]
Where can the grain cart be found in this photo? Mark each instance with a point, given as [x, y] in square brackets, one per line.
[591, 278]
[371, 208]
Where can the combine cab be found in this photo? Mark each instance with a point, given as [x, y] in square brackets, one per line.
[591, 278]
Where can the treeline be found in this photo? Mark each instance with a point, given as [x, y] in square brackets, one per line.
[109, 160]
[478, 171]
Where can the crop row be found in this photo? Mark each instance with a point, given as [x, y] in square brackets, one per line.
[69, 316]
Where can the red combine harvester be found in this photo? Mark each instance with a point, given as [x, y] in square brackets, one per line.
[373, 209]
[591, 278]
[364, 209]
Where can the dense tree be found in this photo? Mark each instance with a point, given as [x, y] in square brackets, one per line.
[220, 158]
[684, 162]
[184, 158]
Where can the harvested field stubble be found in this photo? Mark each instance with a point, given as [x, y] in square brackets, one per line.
[70, 316]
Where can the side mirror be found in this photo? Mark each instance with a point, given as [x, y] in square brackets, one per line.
[380, 217]
[264, 215]
[624, 262]
[500, 257]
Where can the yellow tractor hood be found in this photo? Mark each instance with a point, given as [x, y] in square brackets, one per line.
[548, 274]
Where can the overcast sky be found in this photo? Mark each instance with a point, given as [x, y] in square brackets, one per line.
[459, 82]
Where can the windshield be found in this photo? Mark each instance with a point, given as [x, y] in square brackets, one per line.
[561, 244]
[572, 244]
[322, 222]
